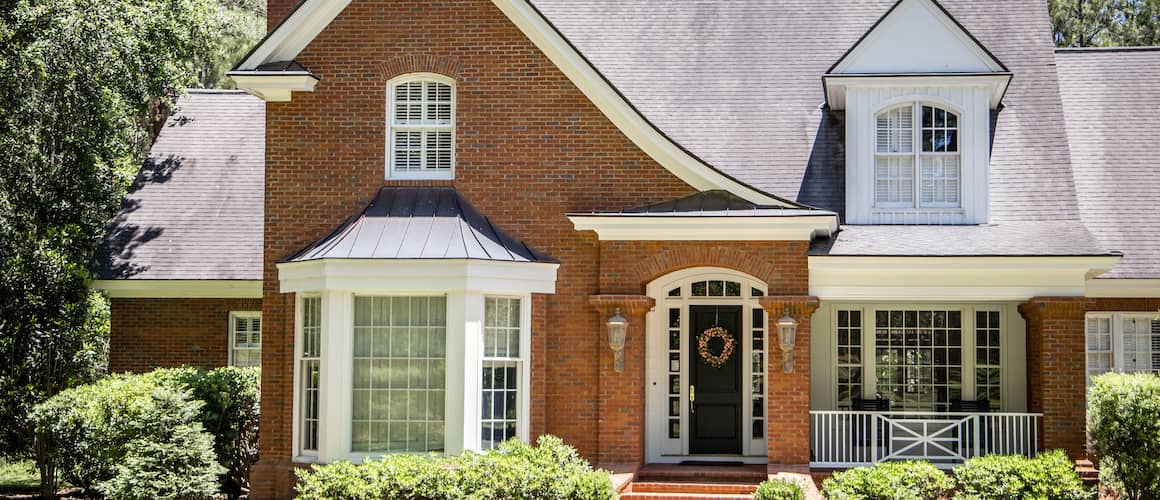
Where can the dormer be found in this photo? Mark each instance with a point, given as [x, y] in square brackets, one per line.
[918, 92]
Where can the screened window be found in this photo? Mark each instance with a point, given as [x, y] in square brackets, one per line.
[936, 183]
[1127, 343]
[398, 374]
[309, 370]
[422, 129]
[245, 339]
[502, 369]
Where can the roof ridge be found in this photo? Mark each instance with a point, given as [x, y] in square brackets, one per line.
[1133, 48]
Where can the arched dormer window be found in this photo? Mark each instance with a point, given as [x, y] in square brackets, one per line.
[936, 183]
[421, 127]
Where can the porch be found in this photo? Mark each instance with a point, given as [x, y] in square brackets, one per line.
[846, 438]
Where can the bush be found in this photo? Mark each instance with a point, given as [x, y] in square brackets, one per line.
[889, 481]
[779, 489]
[1123, 422]
[112, 434]
[514, 470]
[231, 396]
[1051, 475]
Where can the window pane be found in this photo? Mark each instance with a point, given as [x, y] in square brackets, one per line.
[894, 180]
[397, 375]
[1099, 345]
[911, 368]
[940, 181]
[422, 127]
[309, 371]
[501, 370]
[895, 131]
[987, 357]
[939, 130]
[849, 357]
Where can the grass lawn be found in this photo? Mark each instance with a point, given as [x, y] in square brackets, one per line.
[19, 476]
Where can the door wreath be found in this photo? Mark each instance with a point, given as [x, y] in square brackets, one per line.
[715, 360]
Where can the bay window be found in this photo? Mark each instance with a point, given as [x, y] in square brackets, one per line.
[500, 410]
[309, 372]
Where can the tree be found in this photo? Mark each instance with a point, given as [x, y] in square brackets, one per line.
[1105, 23]
[77, 81]
[239, 26]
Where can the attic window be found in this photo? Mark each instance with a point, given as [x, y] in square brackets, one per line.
[936, 183]
[421, 128]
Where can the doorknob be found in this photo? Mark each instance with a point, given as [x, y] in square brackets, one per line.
[692, 397]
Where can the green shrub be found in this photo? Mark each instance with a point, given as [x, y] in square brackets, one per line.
[111, 434]
[779, 489]
[182, 466]
[1123, 422]
[889, 481]
[514, 470]
[231, 396]
[1051, 475]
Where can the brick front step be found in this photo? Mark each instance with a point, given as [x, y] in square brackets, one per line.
[1087, 471]
[741, 474]
[682, 496]
[706, 488]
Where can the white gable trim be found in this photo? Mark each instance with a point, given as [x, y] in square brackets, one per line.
[865, 55]
[312, 16]
[294, 33]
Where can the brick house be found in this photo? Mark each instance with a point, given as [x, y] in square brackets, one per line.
[838, 235]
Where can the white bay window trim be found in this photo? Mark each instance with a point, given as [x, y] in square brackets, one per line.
[465, 285]
[520, 361]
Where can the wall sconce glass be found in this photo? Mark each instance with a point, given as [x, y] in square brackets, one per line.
[617, 330]
[786, 334]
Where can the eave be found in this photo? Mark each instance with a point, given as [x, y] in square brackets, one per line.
[835, 85]
[953, 277]
[180, 289]
[705, 228]
[274, 86]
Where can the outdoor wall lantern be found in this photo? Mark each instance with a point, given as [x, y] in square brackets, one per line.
[786, 332]
[617, 329]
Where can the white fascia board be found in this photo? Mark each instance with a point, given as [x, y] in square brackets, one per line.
[294, 33]
[1120, 287]
[836, 85]
[642, 133]
[668, 228]
[952, 278]
[180, 289]
[417, 276]
[274, 86]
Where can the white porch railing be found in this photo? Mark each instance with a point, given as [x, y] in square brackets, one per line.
[852, 438]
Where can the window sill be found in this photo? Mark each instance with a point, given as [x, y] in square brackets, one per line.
[420, 176]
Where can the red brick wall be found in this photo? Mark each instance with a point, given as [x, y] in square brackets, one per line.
[276, 10]
[161, 333]
[530, 148]
[1056, 363]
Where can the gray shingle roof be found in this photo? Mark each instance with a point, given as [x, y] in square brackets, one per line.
[738, 84]
[419, 223]
[1111, 101]
[195, 209]
[714, 203]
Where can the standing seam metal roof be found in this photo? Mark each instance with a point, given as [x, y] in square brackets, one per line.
[420, 223]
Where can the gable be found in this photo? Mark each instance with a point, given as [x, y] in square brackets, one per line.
[917, 37]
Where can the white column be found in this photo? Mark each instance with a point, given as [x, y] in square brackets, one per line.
[464, 366]
[337, 349]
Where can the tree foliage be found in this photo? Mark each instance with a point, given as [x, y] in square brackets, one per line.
[77, 82]
[239, 24]
[1105, 23]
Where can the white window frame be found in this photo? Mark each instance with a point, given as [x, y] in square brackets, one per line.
[303, 455]
[233, 334]
[917, 154]
[1116, 320]
[392, 127]
[523, 372]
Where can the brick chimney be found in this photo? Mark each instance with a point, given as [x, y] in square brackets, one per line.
[276, 10]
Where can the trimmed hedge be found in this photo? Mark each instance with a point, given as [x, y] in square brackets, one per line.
[779, 489]
[1123, 423]
[1050, 475]
[514, 470]
[908, 480]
